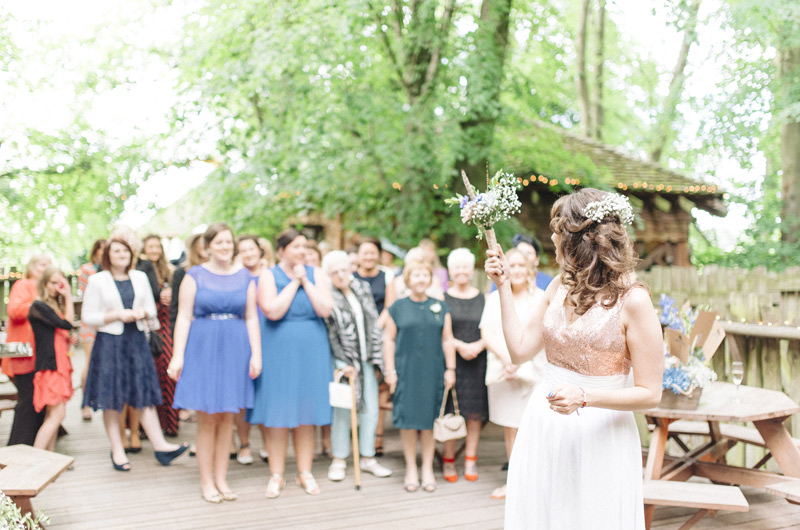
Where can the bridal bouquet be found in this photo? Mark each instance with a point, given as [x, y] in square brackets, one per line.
[497, 203]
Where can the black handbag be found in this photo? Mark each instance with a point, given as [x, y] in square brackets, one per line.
[154, 339]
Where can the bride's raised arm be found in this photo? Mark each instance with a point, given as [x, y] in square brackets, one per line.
[523, 339]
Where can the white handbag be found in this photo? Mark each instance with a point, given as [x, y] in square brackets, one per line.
[341, 394]
[449, 426]
[15, 350]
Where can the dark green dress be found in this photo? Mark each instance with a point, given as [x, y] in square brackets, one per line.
[419, 361]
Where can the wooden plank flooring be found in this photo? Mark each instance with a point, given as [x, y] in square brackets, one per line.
[94, 496]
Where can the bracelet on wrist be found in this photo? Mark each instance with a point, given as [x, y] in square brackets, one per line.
[449, 368]
[390, 372]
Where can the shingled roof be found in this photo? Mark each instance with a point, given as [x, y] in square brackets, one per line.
[589, 160]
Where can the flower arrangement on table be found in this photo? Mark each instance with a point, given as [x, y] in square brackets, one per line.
[691, 338]
[497, 203]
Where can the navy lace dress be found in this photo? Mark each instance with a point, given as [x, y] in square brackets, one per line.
[122, 371]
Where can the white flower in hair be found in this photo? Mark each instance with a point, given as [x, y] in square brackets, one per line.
[612, 205]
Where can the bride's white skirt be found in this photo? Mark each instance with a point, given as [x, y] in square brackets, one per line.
[578, 471]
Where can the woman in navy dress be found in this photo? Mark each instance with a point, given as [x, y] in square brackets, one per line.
[292, 393]
[121, 369]
[216, 355]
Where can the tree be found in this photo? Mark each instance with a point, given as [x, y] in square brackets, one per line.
[581, 81]
[662, 128]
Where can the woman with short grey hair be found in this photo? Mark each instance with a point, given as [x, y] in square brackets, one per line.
[357, 349]
[466, 304]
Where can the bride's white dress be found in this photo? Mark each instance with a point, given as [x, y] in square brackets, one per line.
[582, 471]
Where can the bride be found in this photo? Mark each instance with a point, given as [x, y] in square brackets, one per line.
[577, 459]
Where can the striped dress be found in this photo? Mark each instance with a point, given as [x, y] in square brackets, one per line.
[166, 414]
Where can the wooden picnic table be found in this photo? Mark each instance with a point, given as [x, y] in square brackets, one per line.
[26, 471]
[766, 409]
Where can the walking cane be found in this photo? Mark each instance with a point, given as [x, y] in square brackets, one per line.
[354, 431]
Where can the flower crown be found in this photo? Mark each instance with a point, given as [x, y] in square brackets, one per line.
[612, 205]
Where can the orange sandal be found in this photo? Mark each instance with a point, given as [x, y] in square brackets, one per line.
[472, 477]
[451, 477]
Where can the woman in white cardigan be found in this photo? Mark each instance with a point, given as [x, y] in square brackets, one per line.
[121, 371]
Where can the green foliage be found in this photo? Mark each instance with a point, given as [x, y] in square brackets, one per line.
[12, 518]
[59, 193]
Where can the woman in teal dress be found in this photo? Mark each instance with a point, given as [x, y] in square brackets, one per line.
[292, 392]
[420, 359]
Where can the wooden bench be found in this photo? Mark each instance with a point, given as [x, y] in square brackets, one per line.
[26, 471]
[737, 433]
[789, 490]
[7, 404]
[707, 498]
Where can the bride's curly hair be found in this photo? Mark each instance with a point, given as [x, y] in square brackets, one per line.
[597, 258]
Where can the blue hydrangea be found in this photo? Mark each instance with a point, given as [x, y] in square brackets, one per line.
[676, 380]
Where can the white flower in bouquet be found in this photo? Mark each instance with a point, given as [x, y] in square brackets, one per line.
[497, 203]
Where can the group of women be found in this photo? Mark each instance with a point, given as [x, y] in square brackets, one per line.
[265, 340]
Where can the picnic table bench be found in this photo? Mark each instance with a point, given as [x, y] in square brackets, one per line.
[716, 417]
[26, 471]
[707, 498]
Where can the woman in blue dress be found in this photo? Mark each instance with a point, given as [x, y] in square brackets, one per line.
[292, 393]
[121, 370]
[217, 355]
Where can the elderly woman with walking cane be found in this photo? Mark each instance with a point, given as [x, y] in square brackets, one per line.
[356, 346]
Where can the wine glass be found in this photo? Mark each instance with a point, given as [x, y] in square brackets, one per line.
[737, 375]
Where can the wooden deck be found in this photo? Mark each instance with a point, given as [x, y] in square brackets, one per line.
[94, 496]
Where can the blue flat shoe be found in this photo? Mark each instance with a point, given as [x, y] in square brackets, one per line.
[165, 458]
[120, 467]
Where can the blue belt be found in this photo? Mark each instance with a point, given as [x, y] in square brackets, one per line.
[222, 316]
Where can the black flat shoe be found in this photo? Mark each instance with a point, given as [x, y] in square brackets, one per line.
[165, 458]
[120, 467]
[133, 450]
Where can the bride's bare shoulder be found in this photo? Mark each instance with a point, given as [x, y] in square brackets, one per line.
[637, 299]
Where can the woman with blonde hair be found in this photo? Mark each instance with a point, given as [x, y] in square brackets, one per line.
[21, 370]
[420, 363]
[510, 385]
[51, 317]
[577, 460]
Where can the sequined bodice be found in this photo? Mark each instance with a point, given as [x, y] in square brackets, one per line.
[591, 345]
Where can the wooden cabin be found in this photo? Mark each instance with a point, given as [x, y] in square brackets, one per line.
[662, 198]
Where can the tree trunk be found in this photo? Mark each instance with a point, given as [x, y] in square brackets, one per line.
[788, 69]
[663, 125]
[581, 84]
[599, 59]
[487, 73]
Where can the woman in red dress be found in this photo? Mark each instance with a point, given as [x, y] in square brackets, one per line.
[51, 317]
[21, 371]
